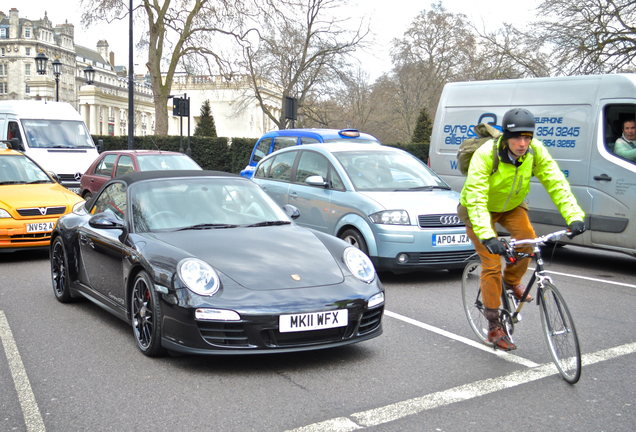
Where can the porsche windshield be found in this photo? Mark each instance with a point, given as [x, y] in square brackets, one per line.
[57, 134]
[201, 203]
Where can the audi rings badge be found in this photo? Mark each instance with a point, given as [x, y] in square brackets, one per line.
[449, 220]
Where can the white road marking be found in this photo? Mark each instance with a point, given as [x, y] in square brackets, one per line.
[499, 353]
[392, 412]
[30, 410]
[592, 279]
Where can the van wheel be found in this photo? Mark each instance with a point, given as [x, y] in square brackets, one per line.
[355, 239]
[87, 195]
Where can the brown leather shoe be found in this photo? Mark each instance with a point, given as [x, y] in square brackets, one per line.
[517, 291]
[498, 337]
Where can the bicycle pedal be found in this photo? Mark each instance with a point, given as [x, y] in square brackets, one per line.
[518, 318]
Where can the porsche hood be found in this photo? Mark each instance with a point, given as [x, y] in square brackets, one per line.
[261, 258]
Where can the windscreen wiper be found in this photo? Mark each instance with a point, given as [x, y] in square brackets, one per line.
[429, 188]
[269, 223]
[9, 182]
[39, 181]
[207, 226]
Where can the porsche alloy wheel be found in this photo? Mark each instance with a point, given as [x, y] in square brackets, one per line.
[59, 272]
[146, 316]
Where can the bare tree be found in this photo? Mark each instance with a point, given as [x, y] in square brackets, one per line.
[175, 33]
[590, 36]
[434, 50]
[508, 53]
[303, 45]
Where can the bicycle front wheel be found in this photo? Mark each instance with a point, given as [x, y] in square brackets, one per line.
[473, 304]
[560, 333]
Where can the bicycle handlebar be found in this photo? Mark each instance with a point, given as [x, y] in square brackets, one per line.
[514, 242]
[512, 256]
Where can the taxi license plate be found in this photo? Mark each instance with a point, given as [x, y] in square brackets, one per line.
[74, 190]
[40, 227]
[450, 239]
[313, 321]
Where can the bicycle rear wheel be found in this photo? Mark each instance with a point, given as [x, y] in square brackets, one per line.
[560, 333]
[473, 305]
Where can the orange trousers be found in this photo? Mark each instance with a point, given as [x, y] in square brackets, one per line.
[518, 225]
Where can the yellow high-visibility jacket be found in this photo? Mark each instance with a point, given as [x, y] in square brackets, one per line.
[505, 189]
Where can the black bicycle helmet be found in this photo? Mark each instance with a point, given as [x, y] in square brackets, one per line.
[518, 120]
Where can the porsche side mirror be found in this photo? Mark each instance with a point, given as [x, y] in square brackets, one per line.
[105, 220]
[292, 211]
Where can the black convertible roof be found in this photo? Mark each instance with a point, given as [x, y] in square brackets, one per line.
[149, 175]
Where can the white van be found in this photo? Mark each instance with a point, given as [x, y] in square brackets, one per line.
[578, 119]
[51, 133]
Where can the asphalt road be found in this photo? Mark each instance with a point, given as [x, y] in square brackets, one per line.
[76, 368]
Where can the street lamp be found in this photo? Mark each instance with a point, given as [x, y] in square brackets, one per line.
[40, 63]
[89, 74]
[57, 71]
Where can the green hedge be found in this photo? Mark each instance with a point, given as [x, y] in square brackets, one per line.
[210, 153]
[215, 153]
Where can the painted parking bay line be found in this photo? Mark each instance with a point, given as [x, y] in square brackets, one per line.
[30, 410]
[505, 355]
[396, 411]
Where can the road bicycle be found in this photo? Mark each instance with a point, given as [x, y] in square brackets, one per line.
[558, 326]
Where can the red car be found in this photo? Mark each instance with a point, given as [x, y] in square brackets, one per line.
[111, 164]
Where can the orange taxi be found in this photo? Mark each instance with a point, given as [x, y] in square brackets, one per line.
[31, 202]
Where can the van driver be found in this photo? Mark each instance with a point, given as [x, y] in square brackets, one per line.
[625, 146]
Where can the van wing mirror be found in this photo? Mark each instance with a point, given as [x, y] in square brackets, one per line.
[16, 144]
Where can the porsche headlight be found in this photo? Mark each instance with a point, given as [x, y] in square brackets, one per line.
[359, 264]
[198, 276]
[4, 214]
[391, 217]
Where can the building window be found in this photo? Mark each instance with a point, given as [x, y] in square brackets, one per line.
[27, 89]
[3, 88]
[2, 52]
[27, 51]
[3, 33]
[27, 69]
[27, 32]
[3, 70]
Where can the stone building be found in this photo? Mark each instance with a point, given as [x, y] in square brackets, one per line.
[104, 104]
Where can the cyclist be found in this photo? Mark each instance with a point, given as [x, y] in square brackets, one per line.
[489, 197]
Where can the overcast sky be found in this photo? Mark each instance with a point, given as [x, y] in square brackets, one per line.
[389, 19]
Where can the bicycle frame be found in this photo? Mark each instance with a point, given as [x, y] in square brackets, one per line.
[538, 275]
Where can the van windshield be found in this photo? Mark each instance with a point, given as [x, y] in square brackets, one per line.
[57, 134]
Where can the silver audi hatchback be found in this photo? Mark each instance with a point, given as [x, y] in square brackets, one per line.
[381, 199]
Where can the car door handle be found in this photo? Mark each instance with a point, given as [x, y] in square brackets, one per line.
[603, 177]
[92, 180]
[293, 195]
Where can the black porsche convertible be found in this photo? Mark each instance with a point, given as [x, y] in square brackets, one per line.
[204, 262]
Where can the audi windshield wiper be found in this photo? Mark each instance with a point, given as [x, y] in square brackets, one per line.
[429, 187]
[269, 223]
[8, 182]
[207, 226]
[39, 181]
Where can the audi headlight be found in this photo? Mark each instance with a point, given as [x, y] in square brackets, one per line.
[4, 214]
[359, 264]
[198, 276]
[391, 217]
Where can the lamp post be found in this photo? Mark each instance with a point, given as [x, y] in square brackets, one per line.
[40, 63]
[89, 74]
[57, 71]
